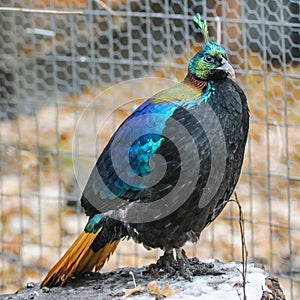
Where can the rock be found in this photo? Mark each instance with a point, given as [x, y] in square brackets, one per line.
[224, 281]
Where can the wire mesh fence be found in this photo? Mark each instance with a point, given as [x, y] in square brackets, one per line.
[57, 56]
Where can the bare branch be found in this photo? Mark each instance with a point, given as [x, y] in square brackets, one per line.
[244, 246]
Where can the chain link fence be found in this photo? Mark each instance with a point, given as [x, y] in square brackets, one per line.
[58, 55]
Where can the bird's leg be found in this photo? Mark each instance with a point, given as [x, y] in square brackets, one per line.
[168, 262]
[183, 264]
[177, 253]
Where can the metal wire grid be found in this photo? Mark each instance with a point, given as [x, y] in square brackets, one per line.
[53, 65]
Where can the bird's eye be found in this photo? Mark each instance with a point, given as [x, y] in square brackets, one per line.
[208, 58]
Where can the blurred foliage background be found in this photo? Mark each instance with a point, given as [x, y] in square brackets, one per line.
[53, 66]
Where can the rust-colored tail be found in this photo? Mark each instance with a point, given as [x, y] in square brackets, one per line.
[79, 259]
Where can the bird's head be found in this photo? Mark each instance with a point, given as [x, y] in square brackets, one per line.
[212, 61]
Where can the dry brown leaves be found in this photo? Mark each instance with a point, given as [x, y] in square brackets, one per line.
[153, 288]
[130, 292]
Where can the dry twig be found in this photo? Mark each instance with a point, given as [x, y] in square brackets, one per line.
[244, 246]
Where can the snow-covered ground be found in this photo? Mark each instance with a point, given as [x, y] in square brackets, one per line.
[217, 287]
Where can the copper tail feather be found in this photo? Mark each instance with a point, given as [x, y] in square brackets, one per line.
[79, 259]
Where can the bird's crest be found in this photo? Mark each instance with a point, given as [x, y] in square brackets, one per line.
[203, 26]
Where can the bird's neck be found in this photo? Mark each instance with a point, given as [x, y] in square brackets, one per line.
[194, 81]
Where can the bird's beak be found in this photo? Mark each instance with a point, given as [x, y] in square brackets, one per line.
[227, 68]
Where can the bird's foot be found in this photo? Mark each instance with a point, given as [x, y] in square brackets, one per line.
[180, 265]
[175, 263]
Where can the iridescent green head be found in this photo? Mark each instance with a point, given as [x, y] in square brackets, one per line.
[211, 63]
